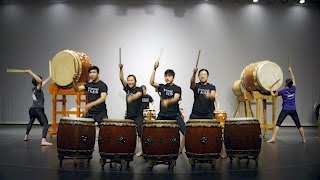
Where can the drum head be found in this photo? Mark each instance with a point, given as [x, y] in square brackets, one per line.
[267, 74]
[236, 88]
[77, 119]
[242, 119]
[111, 121]
[63, 67]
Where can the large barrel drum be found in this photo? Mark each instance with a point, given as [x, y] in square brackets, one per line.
[261, 75]
[242, 136]
[203, 137]
[76, 137]
[117, 139]
[66, 64]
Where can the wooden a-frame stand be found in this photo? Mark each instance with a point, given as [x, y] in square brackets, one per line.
[256, 98]
[56, 91]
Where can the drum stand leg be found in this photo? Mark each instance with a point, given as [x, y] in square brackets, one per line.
[61, 157]
[88, 161]
[192, 163]
[74, 162]
[172, 164]
[256, 159]
[213, 163]
[103, 162]
[151, 164]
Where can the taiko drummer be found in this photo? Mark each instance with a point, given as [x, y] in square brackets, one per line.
[97, 94]
[170, 96]
[37, 109]
[133, 100]
[204, 95]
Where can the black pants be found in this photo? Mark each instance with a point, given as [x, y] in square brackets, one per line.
[177, 117]
[208, 116]
[42, 118]
[138, 120]
[97, 116]
[292, 113]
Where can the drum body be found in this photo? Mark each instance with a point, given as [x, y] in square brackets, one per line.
[242, 136]
[117, 139]
[66, 64]
[149, 114]
[261, 75]
[203, 138]
[160, 140]
[76, 136]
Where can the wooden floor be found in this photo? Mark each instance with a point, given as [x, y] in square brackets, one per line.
[286, 159]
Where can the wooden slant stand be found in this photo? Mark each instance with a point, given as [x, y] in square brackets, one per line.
[55, 90]
[258, 97]
[244, 103]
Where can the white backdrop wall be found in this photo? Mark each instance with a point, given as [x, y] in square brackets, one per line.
[230, 35]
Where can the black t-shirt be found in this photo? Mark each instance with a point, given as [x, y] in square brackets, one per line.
[37, 98]
[94, 92]
[146, 99]
[167, 92]
[134, 108]
[201, 105]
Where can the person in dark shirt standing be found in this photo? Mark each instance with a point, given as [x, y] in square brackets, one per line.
[37, 109]
[133, 100]
[96, 107]
[170, 96]
[147, 100]
[204, 95]
[288, 95]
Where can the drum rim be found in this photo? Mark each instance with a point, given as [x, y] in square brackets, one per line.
[203, 120]
[203, 123]
[113, 120]
[241, 118]
[77, 119]
[118, 122]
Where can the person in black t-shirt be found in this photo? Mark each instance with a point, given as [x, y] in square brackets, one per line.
[146, 98]
[204, 96]
[170, 96]
[96, 107]
[37, 108]
[133, 101]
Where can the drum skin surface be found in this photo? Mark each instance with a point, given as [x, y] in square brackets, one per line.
[237, 88]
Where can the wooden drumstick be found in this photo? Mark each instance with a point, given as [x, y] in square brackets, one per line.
[15, 71]
[160, 54]
[54, 71]
[198, 58]
[289, 60]
[50, 73]
[119, 55]
[274, 84]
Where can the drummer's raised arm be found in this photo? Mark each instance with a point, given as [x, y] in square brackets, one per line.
[152, 83]
[75, 87]
[123, 81]
[292, 76]
[45, 81]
